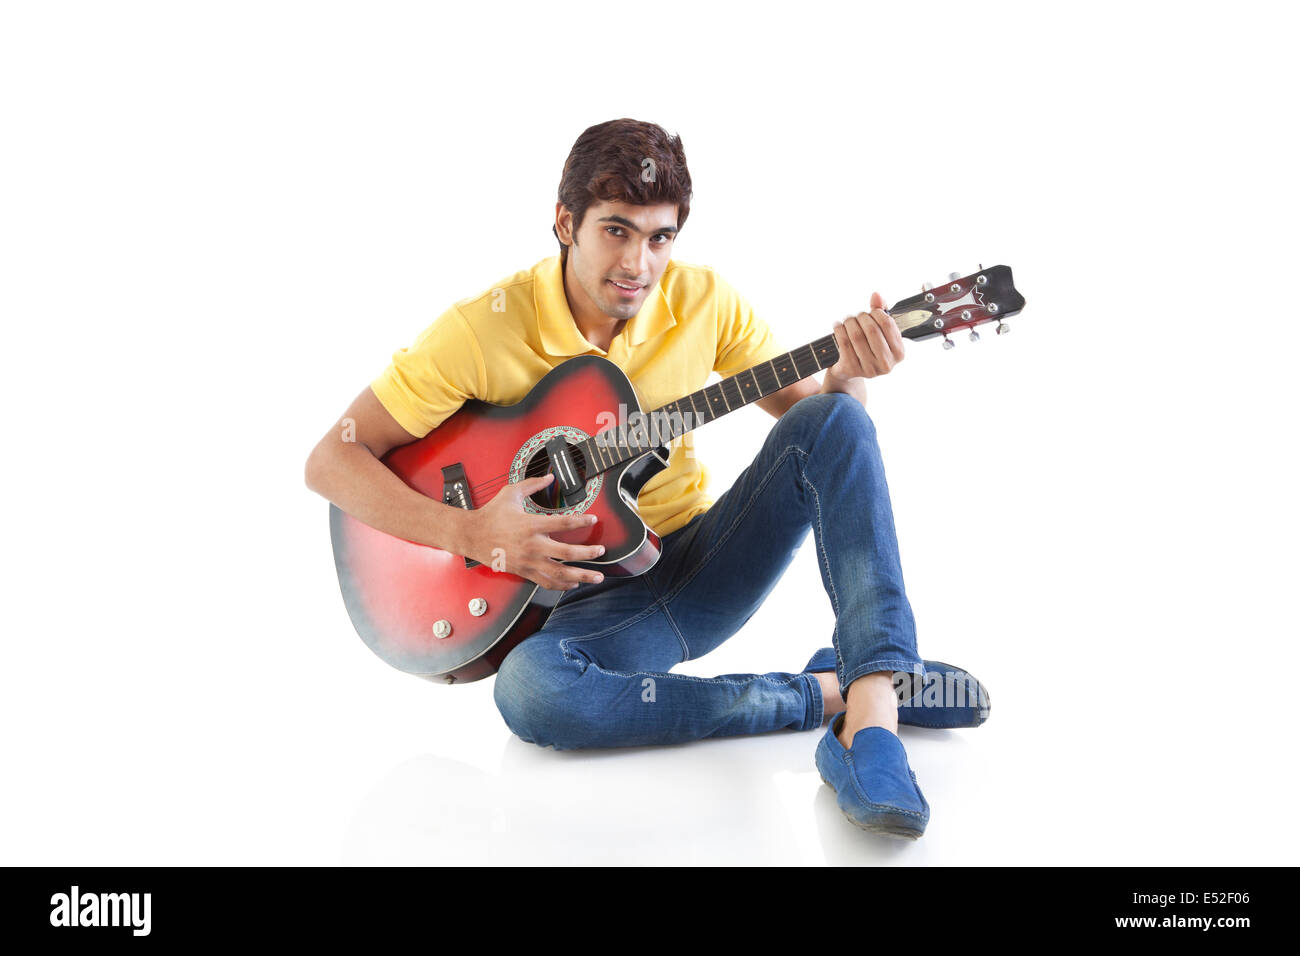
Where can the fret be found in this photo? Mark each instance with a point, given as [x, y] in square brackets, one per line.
[784, 369]
[802, 363]
[729, 387]
[614, 446]
[678, 423]
[827, 354]
[699, 416]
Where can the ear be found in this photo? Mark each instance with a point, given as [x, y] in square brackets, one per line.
[564, 224]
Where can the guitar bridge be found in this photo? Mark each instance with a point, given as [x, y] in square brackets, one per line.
[456, 492]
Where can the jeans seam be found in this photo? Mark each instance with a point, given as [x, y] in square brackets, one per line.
[722, 539]
[819, 701]
[613, 628]
[883, 664]
[825, 560]
[672, 622]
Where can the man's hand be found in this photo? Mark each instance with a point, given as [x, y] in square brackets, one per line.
[504, 537]
[870, 344]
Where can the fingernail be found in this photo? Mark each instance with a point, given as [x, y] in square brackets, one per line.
[600, 550]
[591, 519]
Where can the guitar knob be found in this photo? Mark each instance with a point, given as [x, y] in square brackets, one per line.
[442, 629]
[974, 336]
[948, 343]
[926, 287]
[1002, 328]
[954, 276]
[478, 607]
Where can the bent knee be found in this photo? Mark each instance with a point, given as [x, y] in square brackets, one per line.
[532, 695]
[814, 414]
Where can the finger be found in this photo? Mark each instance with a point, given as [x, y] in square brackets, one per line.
[529, 485]
[881, 358]
[843, 345]
[551, 524]
[892, 334]
[877, 300]
[572, 577]
[575, 552]
[893, 338]
[863, 347]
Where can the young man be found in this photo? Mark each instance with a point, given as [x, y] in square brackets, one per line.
[598, 674]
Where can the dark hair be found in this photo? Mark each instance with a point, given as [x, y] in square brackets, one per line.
[624, 160]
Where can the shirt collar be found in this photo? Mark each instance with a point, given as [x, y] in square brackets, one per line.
[559, 332]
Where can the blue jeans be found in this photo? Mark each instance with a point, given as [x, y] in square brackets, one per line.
[597, 674]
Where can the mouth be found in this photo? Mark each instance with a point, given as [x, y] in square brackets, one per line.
[626, 290]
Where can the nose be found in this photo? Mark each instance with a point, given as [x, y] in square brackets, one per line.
[636, 259]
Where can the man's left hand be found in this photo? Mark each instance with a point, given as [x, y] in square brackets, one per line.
[869, 342]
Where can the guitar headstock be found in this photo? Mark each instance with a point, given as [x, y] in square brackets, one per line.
[962, 302]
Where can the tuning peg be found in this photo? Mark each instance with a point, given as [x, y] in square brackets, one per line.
[948, 343]
[926, 286]
[954, 276]
[1002, 328]
[974, 336]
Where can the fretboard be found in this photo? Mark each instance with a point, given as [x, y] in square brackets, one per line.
[629, 440]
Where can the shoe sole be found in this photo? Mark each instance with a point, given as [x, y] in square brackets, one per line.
[884, 829]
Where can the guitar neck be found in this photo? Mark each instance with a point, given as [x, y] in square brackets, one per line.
[632, 439]
[961, 303]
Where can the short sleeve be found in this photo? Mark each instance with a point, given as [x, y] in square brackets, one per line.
[426, 383]
[744, 339]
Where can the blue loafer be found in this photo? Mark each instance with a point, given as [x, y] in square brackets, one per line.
[945, 697]
[874, 786]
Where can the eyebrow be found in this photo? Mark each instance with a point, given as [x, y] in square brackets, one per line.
[671, 230]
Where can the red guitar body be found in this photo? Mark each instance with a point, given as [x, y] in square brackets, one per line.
[415, 605]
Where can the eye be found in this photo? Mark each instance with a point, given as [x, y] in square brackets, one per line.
[662, 235]
[614, 230]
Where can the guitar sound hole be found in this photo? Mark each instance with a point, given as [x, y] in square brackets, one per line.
[539, 464]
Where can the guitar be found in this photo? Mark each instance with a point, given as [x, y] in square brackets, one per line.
[448, 618]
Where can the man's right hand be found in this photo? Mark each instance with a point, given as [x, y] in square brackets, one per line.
[525, 541]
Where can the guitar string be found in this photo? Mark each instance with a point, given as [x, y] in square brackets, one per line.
[541, 465]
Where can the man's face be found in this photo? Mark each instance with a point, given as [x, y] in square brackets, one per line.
[619, 253]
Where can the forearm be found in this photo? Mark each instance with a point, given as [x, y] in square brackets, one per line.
[360, 484]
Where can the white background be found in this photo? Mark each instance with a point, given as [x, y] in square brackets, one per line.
[219, 220]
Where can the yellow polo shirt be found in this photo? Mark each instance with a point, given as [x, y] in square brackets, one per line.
[497, 345]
